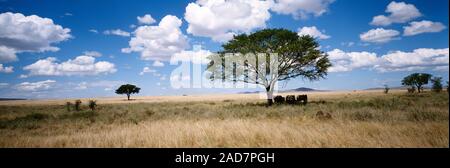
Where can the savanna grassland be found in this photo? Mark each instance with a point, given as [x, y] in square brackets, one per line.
[358, 119]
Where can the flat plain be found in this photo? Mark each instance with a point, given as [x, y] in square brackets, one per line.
[356, 119]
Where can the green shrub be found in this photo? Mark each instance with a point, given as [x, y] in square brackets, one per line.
[386, 89]
[92, 104]
[437, 84]
[78, 105]
[68, 106]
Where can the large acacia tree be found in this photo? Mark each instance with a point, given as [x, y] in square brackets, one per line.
[297, 56]
[417, 80]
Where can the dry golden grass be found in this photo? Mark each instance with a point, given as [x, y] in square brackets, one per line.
[359, 119]
[199, 98]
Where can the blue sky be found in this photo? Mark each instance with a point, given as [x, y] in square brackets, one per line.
[411, 36]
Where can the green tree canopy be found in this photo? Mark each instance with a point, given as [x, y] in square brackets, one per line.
[298, 56]
[437, 84]
[417, 80]
[128, 89]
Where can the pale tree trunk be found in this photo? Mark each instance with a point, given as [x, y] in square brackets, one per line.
[269, 92]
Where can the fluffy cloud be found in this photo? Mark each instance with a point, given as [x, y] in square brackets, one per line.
[312, 31]
[158, 42]
[379, 35]
[104, 84]
[424, 26]
[117, 32]
[347, 61]
[19, 33]
[158, 64]
[146, 19]
[7, 54]
[147, 70]
[421, 58]
[196, 56]
[220, 19]
[93, 31]
[36, 86]
[5, 69]
[400, 12]
[81, 65]
[92, 53]
[301, 8]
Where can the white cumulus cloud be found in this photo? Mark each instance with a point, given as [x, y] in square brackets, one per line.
[92, 53]
[196, 56]
[6, 69]
[7, 54]
[312, 31]
[421, 58]
[158, 42]
[418, 59]
[220, 19]
[19, 33]
[301, 8]
[35, 86]
[400, 12]
[117, 32]
[93, 31]
[147, 70]
[158, 64]
[81, 65]
[424, 26]
[146, 19]
[379, 35]
[106, 85]
[347, 61]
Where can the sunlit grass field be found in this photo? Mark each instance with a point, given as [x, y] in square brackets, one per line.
[364, 119]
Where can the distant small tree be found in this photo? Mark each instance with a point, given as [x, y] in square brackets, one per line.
[437, 84]
[92, 104]
[68, 105]
[386, 89]
[128, 89]
[417, 80]
[77, 105]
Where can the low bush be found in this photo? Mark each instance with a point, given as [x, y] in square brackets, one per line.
[92, 104]
[78, 105]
